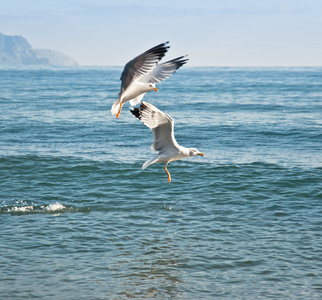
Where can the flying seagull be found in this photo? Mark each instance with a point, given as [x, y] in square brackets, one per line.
[141, 74]
[162, 126]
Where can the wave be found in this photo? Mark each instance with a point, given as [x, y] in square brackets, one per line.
[58, 208]
[25, 208]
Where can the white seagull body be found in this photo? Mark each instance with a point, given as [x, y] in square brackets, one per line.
[141, 74]
[162, 126]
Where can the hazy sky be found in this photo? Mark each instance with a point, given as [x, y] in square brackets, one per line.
[211, 32]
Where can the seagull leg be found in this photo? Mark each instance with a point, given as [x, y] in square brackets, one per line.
[168, 173]
[118, 113]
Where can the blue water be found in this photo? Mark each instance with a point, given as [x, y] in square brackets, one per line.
[79, 218]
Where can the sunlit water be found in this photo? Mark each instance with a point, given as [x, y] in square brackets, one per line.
[79, 218]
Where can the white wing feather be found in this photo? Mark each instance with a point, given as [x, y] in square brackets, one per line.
[161, 125]
[137, 100]
[163, 71]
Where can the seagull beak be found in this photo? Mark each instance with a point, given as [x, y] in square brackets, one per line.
[201, 154]
[155, 89]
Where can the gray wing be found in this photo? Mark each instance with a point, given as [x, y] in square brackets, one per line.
[164, 70]
[142, 64]
[161, 124]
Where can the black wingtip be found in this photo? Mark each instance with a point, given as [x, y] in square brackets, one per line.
[181, 62]
[160, 50]
[135, 112]
[164, 45]
[143, 106]
[178, 62]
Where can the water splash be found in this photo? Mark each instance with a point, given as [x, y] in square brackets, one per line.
[24, 208]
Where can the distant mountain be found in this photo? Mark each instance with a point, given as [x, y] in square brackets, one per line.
[15, 50]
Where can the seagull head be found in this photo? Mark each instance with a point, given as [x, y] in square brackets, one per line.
[195, 152]
[152, 87]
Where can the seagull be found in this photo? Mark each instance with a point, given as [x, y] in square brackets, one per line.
[162, 126]
[141, 74]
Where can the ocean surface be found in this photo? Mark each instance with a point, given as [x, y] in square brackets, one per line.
[79, 219]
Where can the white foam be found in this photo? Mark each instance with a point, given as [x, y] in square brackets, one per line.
[54, 207]
[21, 209]
[43, 208]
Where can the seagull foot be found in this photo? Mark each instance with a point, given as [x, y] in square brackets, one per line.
[168, 173]
[118, 113]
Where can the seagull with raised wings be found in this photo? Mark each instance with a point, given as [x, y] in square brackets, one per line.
[162, 126]
[141, 74]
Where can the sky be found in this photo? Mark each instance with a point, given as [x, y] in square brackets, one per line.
[211, 32]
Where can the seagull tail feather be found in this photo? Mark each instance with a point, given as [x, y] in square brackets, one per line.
[150, 162]
[116, 106]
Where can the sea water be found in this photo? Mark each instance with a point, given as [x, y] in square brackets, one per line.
[79, 219]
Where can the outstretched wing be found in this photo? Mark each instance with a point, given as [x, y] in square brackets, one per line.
[142, 64]
[161, 124]
[164, 70]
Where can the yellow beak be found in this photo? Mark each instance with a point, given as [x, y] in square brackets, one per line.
[156, 89]
[201, 154]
